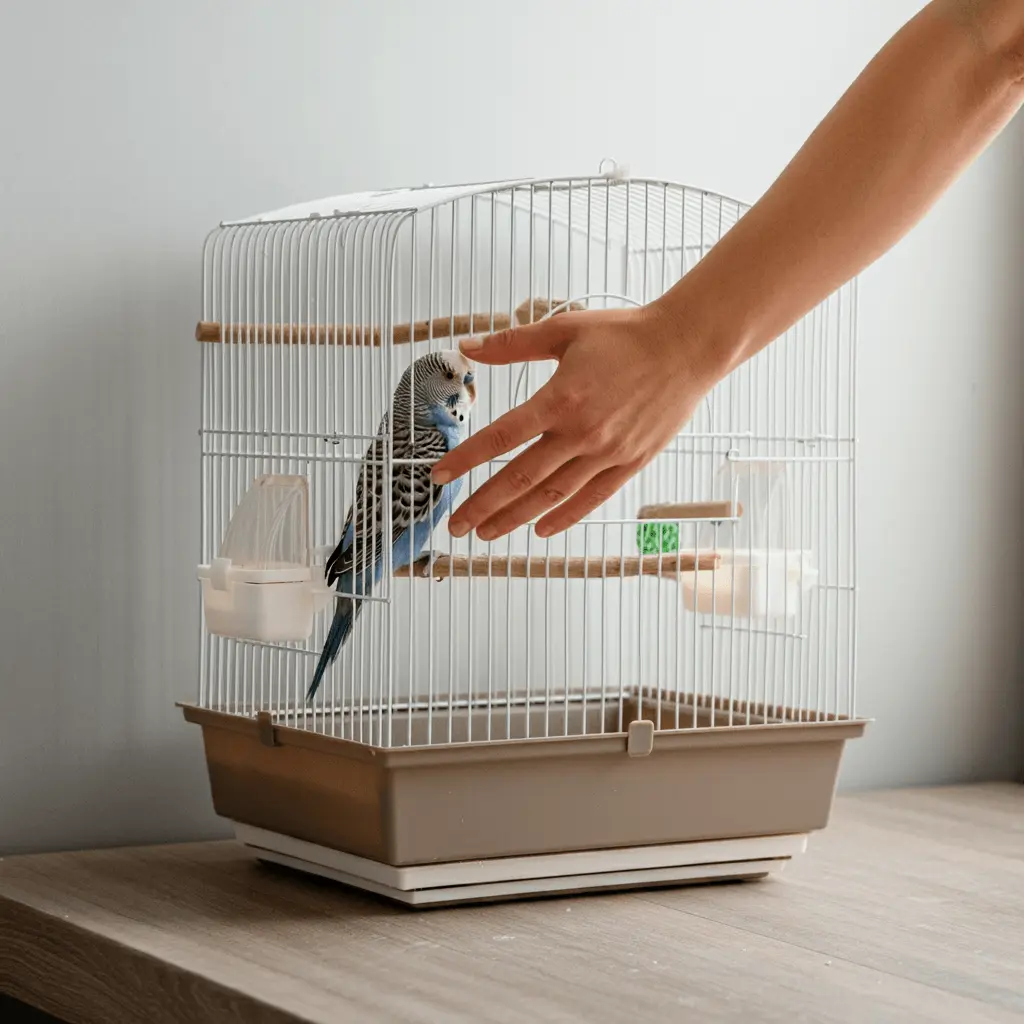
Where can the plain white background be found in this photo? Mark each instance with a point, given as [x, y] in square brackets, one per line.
[129, 129]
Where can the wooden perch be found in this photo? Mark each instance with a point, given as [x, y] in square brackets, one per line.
[357, 334]
[594, 567]
[692, 510]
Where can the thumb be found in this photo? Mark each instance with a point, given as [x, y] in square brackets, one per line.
[544, 340]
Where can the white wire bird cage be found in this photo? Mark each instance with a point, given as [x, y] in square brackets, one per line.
[660, 694]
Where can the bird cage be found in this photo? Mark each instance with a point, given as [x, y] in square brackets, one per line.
[659, 695]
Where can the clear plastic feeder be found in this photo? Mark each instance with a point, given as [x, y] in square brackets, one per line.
[763, 572]
[262, 586]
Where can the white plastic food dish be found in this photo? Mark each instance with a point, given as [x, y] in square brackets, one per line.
[262, 586]
[251, 604]
[752, 585]
[764, 573]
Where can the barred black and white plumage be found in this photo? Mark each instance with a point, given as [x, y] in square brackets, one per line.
[426, 420]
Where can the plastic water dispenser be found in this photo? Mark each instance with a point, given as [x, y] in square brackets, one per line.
[764, 573]
[262, 585]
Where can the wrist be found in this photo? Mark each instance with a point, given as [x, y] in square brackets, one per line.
[705, 339]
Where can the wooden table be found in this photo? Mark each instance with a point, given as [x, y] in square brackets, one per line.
[910, 907]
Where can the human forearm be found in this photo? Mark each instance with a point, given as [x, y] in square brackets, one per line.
[627, 380]
[928, 103]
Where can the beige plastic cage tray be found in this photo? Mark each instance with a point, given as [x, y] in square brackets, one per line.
[512, 817]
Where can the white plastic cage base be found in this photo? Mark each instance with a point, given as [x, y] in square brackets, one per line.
[509, 878]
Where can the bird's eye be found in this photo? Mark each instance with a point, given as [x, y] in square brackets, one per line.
[450, 375]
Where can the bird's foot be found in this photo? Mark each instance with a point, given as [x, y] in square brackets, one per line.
[433, 557]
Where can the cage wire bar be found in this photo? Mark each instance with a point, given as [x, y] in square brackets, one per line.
[313, 313]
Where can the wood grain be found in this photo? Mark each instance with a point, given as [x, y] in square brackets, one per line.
[908, 908]
[14, 1010]
[142, 987]
[538, 567]
[457, 326]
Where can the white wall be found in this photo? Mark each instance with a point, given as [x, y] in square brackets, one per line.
[130, 129]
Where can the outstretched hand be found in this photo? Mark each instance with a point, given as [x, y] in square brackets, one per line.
[627, 381]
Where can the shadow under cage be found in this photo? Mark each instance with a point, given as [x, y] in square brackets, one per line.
[661, 694]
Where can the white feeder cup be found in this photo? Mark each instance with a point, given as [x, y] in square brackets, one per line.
[263, 585]
[763, 572]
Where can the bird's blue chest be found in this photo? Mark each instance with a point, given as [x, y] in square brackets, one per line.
[451, 436]
[449, 432]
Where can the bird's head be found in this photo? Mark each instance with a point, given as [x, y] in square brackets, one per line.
[444, 385]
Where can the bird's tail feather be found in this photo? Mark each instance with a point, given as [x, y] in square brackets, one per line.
[346, 612]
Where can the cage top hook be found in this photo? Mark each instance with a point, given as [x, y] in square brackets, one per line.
[609, 168]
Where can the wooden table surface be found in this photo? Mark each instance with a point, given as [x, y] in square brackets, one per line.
[909, 907]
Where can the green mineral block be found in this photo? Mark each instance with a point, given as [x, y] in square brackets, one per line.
[653, 538]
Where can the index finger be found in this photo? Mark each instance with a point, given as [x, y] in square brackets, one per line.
[505, 434]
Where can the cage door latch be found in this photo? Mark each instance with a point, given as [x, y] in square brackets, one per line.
[640, 738]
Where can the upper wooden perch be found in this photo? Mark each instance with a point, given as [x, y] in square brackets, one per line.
[558, 568]
[357, 334]
[692, 510]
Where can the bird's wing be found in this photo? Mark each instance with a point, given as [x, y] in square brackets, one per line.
[361, 537]
[413, 496]
[417, 491]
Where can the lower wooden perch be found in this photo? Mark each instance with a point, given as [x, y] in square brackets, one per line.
[357, 334]
[538, 567]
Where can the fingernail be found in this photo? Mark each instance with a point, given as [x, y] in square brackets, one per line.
[440, 476]
[543, 531]
[471, 344]
[487, 533]
[457, 529]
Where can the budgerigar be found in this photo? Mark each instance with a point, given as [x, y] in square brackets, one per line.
[429, 411]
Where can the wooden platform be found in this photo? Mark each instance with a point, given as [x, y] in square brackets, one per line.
[910, 907]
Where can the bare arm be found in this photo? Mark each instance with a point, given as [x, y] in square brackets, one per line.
[627, 381]
[931, 100]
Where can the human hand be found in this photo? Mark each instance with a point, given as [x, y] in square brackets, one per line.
[627, 381]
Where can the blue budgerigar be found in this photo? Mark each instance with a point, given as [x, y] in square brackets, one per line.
[429, 412]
